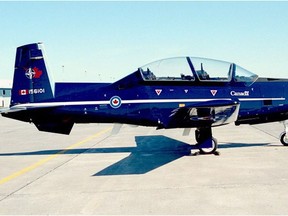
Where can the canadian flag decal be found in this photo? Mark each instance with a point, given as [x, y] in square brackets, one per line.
[23, 92]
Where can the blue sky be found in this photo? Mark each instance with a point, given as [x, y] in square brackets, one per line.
[104, 41]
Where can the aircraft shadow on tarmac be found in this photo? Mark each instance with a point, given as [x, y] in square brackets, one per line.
[155, 151]
[151, 152]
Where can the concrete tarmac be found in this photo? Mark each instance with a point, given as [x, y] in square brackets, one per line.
[141, 171]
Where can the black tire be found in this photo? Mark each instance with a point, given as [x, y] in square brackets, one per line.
[197, 135]
[211, 150]
[283, 140]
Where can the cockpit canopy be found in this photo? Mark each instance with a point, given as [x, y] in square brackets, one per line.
[193, 68]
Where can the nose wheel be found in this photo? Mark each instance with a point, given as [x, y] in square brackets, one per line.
[284, 135]
[284, 139]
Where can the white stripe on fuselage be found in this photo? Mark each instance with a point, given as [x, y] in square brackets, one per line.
[143, 101]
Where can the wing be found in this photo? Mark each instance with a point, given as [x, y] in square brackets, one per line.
[210, 113]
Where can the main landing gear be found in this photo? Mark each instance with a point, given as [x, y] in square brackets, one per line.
[206, 143]
[284, 135]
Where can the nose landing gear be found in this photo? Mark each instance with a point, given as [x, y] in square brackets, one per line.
[284, 135]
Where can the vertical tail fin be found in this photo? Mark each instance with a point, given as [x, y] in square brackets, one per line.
[31, 82]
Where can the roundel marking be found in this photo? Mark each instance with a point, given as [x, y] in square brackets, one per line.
[115, 102]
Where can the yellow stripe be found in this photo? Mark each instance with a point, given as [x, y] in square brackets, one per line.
[45, 160]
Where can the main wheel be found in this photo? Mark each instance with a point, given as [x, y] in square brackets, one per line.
[211, 150]
[284, 139]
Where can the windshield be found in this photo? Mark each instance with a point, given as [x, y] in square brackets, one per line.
[243, 75]
[192, 68]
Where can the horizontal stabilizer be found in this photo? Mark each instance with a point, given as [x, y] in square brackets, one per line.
[9, 110]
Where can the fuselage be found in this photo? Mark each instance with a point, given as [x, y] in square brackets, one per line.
[150, 103]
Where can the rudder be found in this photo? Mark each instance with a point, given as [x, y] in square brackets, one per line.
[31, 82]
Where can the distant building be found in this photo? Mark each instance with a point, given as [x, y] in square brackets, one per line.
[5, 93]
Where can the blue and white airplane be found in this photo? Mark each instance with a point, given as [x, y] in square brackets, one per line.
[183, 92]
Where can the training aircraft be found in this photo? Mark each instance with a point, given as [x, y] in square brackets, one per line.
[184, 92]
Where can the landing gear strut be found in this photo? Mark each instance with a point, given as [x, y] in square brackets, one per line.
[207, 144]
[284, 135]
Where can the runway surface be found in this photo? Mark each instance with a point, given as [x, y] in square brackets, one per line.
[141, 171]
